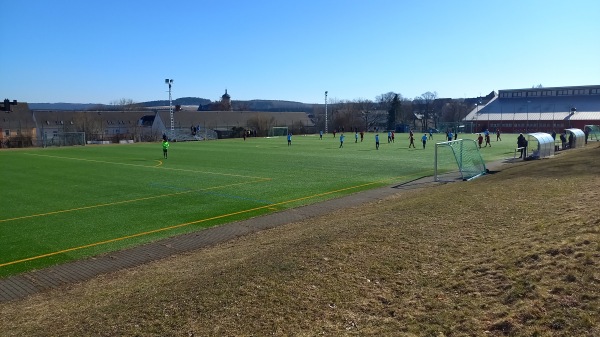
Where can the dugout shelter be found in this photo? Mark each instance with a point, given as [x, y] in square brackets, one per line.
[539, 145]
[578, 138]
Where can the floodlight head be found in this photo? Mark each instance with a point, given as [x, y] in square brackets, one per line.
[325, 92]
[166, 81]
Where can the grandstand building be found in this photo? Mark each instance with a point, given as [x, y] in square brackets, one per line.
[538, 110]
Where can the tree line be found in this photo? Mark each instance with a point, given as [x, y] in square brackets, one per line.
[391, 109]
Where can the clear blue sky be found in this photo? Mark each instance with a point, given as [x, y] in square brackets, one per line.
[101, 51]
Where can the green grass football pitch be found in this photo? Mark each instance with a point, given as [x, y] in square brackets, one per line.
[60, 204]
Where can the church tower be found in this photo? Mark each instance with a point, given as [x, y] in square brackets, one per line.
[226, 101]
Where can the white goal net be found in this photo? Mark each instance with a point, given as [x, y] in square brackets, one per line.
[64, 139]
[278, 131]
[457, 160]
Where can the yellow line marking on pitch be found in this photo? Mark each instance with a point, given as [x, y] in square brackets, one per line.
[159, 163]
[145, 166]
[185, 224]
[130, 201]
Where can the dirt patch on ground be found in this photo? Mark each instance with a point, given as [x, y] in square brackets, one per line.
[510, 254]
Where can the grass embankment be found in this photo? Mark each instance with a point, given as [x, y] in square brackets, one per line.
[514, 253]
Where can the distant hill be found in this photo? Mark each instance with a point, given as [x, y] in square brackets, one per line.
[272, 106]
[179, 101]
[66, 106]
[251, 105]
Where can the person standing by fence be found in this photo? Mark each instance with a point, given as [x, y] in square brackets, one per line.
[521, 145]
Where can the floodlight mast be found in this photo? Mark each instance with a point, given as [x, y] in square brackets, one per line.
[169, 81]
[325, 111]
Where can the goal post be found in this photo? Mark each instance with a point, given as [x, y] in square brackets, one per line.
[278, 131]
[457, 160]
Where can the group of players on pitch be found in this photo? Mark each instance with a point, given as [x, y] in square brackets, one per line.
[391, 139]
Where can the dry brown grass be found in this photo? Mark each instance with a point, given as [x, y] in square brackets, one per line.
[514, 253]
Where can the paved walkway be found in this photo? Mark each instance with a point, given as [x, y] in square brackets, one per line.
[23, 285]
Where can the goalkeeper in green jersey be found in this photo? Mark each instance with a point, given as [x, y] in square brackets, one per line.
[165, 146]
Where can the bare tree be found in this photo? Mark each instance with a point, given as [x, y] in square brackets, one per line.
[219, 106]
[298, 128]
[261, 124]
[424, 105]
[385, 100]
[454, 111]
[240, 106]
[370, 115]
[343, 115]
[125, 104]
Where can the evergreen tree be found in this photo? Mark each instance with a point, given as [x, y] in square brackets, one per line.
[394, 107]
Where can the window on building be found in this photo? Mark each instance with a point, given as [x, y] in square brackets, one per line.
[7, 133]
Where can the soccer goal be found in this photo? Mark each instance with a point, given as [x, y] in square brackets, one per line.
[73, 138]
[278, 131]
[64, 139]
[457, 160]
